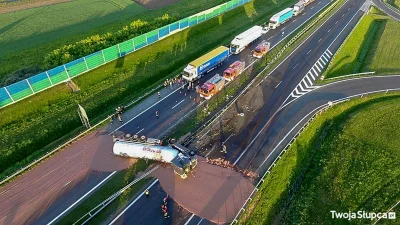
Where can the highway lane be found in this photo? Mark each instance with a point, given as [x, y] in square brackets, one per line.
[388, 10]
[129, 216]
[74, 187]
[287, 122]
[288, 78]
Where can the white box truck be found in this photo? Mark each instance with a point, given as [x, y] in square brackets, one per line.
[281, 17]
[241, 41]
[299, 7]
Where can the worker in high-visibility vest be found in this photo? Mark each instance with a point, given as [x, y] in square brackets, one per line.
[147, 192]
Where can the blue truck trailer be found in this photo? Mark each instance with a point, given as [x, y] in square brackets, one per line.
[281, 17]
[205, 63]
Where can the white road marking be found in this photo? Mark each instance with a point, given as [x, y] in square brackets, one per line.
[343, 15]
[319, 3]
[269, 38]
[329, 30]
[327, 55]
[80, 199]
[278, 84]
[200, 221]
[294, 20]
[308, 52]
[187, 222]
[322, 60]
[67, 183]
[178, 104]
[327, 60]
[227, 139]
[312, 7]
[140, 131]
[319, 40]
[145, 110]
[204, 134]
[319, 70]
[329, 52]
[295, 65]
[133, 202]
[315, 72]
[319, 63]
[336, 22]
[309, 80]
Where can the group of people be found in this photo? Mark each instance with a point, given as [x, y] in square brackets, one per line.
[164, 208]
[171, 81]
[118, 111]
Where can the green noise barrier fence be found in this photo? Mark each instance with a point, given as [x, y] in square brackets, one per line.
[25, 88]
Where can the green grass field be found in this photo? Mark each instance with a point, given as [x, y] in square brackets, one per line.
[31, 34]
[369, 48]
[347, 159]
[32, 126]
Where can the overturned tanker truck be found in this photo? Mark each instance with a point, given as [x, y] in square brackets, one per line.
[183, 160]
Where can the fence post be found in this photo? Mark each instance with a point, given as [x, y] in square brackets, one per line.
[179, 24]
[104, 58]
[65, 68]
[133, 44]
[84, 59]
[9, 94]
[51, 82]
[27, 81]
[119, 50]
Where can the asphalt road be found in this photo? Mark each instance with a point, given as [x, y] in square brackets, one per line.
[391, 12]
[287, 75]
[41, 195]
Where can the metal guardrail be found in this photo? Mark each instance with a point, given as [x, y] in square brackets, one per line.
[351, 75]
[268, 171]
[93, 212]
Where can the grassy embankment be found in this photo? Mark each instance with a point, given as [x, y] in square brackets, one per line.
[347, 159]
[27, 36]
[35, 125]
[198, 117]
[369, 48]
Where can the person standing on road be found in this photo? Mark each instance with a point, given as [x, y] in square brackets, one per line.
[111, 118]
[147, 192]
[157, 114]
[120, 118]
[223, 148]
[159, 95]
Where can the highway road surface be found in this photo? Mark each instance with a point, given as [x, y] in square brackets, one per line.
[291, 79]
[388, 10]
[48, 191]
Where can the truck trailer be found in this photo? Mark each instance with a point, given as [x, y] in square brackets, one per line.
[307, 2]
[299, 7]
[234, 70]
[212, 86]
[261, 49]
[280, 18]
[205, 63]
[241, 41]
[182, 160]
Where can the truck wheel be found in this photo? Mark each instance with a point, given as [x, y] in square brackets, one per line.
[192, 153]
[172, 141]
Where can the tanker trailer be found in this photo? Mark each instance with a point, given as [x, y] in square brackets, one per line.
[182, 160]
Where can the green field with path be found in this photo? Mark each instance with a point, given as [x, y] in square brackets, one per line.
[371, 47]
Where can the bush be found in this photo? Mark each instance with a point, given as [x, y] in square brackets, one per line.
[97, 42]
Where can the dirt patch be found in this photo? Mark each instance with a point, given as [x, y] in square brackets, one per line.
[156, 4]
[211, 192]
[17, 6]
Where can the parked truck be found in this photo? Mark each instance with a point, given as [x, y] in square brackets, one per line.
[212, 86]
[205, 63]
[280, 18]
[234, 70]
[299, 7]
[183, 160]
[307, 2]
[241, 41]
[261, 49]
